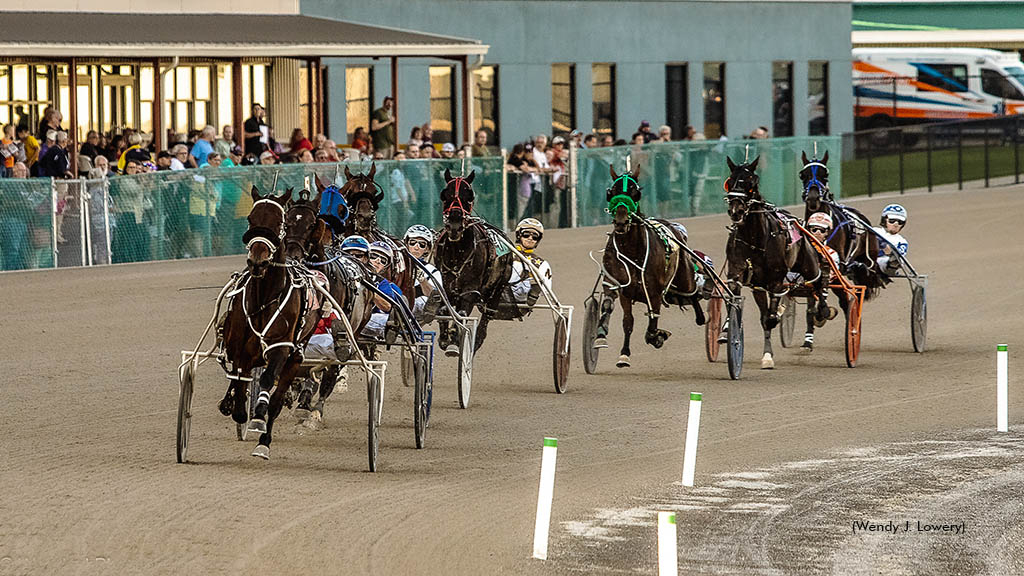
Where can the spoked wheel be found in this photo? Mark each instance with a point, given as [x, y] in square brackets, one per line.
[421, 405]
[560, 354]
[735, 352]
[853, 331]
[591, 319]
[465, 365]
[788, 324]
[375, 400]
[187, 377]
[713, 326]
[919, 318]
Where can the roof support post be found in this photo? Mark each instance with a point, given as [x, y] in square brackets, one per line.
[310, 126]
[236, 102]
[466, 102]
[394, 100]
[158, 107]
[319, 96]
[73, 107]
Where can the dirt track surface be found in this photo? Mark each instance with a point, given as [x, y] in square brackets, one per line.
[90, 485]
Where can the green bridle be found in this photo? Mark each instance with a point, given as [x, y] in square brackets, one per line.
[623, 199]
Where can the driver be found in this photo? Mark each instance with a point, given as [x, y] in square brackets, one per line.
[419, 240]
[894, 218]
[381, 258]
[525, 288]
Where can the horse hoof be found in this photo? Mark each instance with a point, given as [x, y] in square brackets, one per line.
[452, 351]
[600, 342]
[258, 426]
[808, 346]
[771, 322]
[315, 421]
[262, 451]
[832, 312]
[623, 362]
[301, 414]
[226, 406]
[767, 363]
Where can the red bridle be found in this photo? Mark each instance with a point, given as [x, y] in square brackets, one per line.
[458, 201]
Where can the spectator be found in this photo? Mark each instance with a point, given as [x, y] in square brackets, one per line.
[619, 142]
[759, 133]
[590, 141]
[428, 137]
[558, 158]
[56, 164]
[427, 150]
[320, 156]
[402, 197]
[50, 121]
[331, 147]
[412, 152]
[272, 144]
[204, 145]
[575, 136]
[360, 141]
[179, 156]
[204, 193]
[299, 142]
[90, 147]
[480, 148]
[8, 151]
[267, 158]
[128, 202]
[415, 137]
[306, 157]
[521, 162]
[225, 145]
[16, 215]
[30, 144]
[288, 159]
[638, 139]
[540, 156]
[134, 151]
[382, 129]
[255, 131]
[607, 140]
[250, 160]
[101, 168]
[645, 130]
[163, 160]
[448, 151]
[664, 133]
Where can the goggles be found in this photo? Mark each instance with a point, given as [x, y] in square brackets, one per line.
[417, 242]
[380, 258]
[529, 234]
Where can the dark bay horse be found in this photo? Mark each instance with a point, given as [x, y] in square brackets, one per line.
[474, 267]
[643, 266]
[762, 250]
[267, 321]
[849, 238]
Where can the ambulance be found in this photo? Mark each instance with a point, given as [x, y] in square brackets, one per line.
[896, 86]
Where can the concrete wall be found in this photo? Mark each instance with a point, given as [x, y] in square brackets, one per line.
[156, 6]
[639, 37]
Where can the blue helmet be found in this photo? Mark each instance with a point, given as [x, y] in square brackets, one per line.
[382, 248]
[356, 243]
[895, 212]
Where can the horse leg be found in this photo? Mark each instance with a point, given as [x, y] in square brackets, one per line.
[809, 333]
[273, 410]
[327, 384]
[276, 360]
[481, 331]
[654, 336]
[627, 330]
[698, 312]
[607, 307]
[767, 361]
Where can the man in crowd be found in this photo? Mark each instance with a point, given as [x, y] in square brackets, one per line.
[480, 148]
[204, 145]
[382, 128]
[645, 130]
[56, 164]
[664, 133]
[253, 131]
[225, 145]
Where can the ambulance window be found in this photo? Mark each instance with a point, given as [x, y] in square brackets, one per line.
[993, 82]
[951, 77]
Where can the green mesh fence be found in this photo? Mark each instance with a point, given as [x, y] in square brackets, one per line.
[681, 179]
[195, 213]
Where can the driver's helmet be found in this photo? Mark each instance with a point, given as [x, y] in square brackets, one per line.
[419, 231]
[530, 224]
[894, 212]
[383, 249]
[355, 243]
[820, 220]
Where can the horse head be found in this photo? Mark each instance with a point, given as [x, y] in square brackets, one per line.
[363, 196]
[266, 228]
[814, 176]
[300, 223]
[457, 198]
[741, 188]
[623, 198]
[333, 206]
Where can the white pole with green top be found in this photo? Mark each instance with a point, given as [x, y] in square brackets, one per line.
[544, 496]
[1002, 424]
[667, 562]
[692, 428]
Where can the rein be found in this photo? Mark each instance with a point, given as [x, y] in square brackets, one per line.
[457, 202]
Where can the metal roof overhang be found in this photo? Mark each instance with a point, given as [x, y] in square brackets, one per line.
[1008, 38]
[104, 34]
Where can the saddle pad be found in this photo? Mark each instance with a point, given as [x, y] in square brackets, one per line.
[312, 295]
[500, 247]
[794, 232]
[664, 234]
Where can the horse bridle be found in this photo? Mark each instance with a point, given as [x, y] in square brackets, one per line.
[822, 186]
[457, 201]
[312, 212]
[264, 235]
[733, 192]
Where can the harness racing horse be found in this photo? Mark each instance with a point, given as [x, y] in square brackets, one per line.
[364, 195]
[474, 270]
[643, 265]
[762, 250]
[267, 322]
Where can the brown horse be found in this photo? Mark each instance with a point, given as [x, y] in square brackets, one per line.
[643, 266]
[762, 251]
[474, 267]
[267, 321]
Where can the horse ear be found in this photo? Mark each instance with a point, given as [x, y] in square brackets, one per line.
[320, 186]
[753, 165]
[636, 173]
[348, 175]
[255, 193]
[322, 233]
[373, 170]
[803, 156]
[472, 174]
[611, 169]
[447, 175]
[319, 196]
[732, 165]
[284, 198]
[825, 159]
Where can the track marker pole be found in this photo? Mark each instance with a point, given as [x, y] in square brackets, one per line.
[1001, 392]
[544, 496]
[667, 561]
[692, 428]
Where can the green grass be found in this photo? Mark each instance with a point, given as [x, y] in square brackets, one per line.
[886, 176]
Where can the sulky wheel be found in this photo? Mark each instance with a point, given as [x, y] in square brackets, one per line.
[788, 324]
[853, 331]
[187, 378]
[407, 367]
[421, 397]
[465, 364]
[560, 354]
[374, 400]
[591, 319]
[713, 326]
[735, 352]
[919, 318]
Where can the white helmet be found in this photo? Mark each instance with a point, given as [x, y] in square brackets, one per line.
[419, 231]
[379, 247]
[895, 212]
[820, 220]
[530, 224]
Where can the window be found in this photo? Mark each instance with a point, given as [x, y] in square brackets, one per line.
[782, 99]
[817, 98]
[604, 98]
[358, 99]
[951, 77]
[442, 103]
[994, 83]
[676, 99]
[485, 103]
[714, 99]
[187, 96]
[563, 98]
